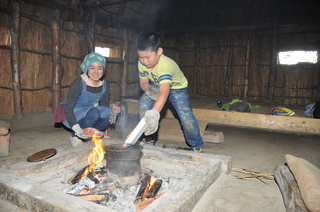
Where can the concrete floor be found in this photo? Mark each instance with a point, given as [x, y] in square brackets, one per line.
[250, 148]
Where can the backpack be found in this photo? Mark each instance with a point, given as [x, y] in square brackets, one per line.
[240, 106]
[309, 109]
[316, 112]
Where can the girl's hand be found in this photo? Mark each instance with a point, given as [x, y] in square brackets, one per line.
[115, 107]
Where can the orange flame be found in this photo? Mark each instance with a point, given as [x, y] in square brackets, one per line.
[96, 156]
[152, 180]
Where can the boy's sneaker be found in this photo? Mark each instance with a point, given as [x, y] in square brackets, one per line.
[198, 149]
[148, 140]
[75, 141]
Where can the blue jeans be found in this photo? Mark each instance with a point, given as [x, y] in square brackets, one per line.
[180, 100]
[93, 119]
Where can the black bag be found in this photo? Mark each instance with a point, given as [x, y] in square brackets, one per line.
[316, 112]
[240, 106]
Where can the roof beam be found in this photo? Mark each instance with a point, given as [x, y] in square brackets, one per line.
[100, 3]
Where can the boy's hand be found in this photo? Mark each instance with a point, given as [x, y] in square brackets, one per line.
[152, 93]
[152, 117]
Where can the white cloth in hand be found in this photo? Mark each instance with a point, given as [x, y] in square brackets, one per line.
[152, 93]
[152, 118]
[113, 117]
[78, 131]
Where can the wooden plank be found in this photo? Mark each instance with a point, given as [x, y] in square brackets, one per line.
[261, 121]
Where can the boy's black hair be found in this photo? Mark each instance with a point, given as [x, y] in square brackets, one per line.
[148, 41]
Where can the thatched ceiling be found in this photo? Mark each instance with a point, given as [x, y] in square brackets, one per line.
[186, 14]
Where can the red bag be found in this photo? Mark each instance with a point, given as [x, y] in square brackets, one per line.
[60, 115]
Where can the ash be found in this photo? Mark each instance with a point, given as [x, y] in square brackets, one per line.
[116, 196]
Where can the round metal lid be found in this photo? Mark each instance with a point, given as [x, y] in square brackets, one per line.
[42, 155]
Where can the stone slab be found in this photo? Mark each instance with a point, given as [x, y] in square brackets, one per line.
[31, 196]
[19, 185]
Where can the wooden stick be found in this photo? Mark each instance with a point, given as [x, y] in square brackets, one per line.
[246, 171]
[255, 174]
[142, 205]
[93, 197]
[258, 178]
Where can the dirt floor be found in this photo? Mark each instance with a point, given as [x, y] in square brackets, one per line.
[250, 148]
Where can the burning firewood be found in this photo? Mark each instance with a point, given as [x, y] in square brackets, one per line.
[77, 177]
[155, 187]
[93, 197]
[142, 205]
[253, 174]
[142, 190]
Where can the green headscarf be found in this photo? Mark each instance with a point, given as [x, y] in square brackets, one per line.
[91, 58]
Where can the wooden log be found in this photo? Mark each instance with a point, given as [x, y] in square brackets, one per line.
[15, 34]
[196, 64]
[142, 205]
[143, 187]
[273, 65]
[289, 189]
[227, 78]
[152, 192]
[246, 74]
[93, 197]
[125, 58]
[89, 31]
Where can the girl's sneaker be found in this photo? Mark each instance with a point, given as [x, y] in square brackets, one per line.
[75, 141]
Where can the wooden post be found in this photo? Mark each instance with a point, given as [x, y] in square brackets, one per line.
[226, 81]
[89, 31]
[273, 66]
[195, 76]
[125, 63]
[15, 34]
[246, 73]
[56, 61]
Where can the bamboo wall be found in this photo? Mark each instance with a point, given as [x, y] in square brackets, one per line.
[233, 63]
[36, 65]
[214, 63]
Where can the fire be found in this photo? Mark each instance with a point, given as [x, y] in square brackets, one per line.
[152, 180]
[96, 156]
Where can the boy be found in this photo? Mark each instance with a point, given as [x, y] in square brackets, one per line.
[166, 82]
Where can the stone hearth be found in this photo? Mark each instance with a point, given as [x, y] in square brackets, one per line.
[39, 186]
